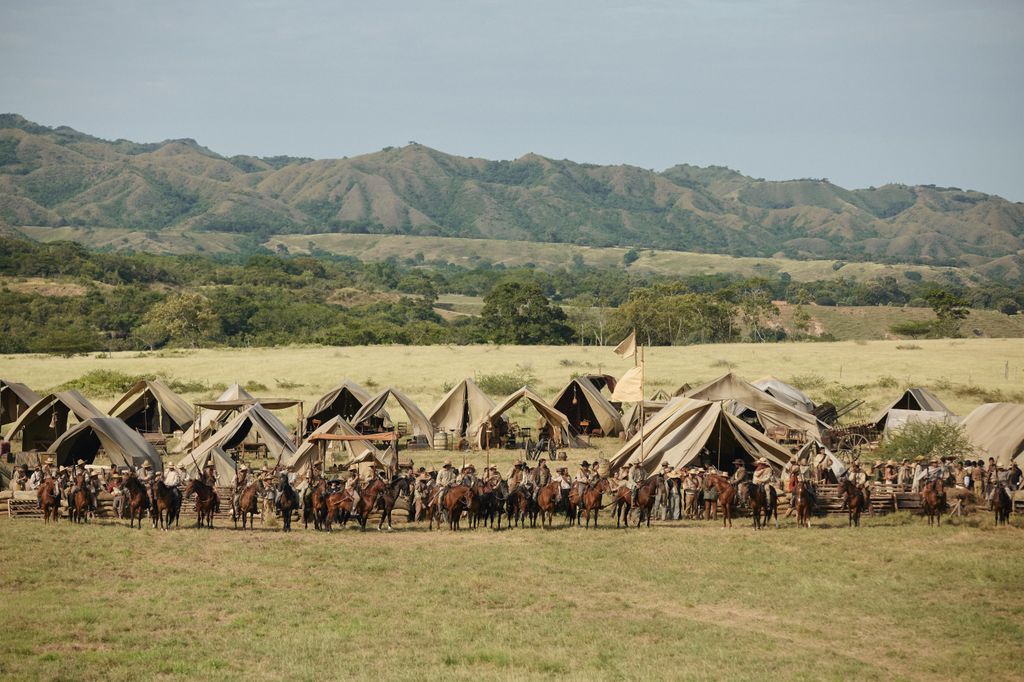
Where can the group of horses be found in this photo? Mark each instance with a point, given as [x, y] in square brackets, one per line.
[478, 503]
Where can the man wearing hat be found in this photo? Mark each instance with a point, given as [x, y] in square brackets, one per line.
[423, 484]
[446, 478]
[582, 479]
[763, 475]
[540, 476]
[637, 476]
[87, 486]
[739, 479]
[171, 478]
[564, 481]
[210, 475]
[493, 477]
[117, 491]
[36, 479]
[468, 476]
[353, 486]
[516, 475]
[241, 483]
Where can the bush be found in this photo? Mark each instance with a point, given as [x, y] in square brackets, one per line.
[504, 383]
[913, 329]
[102, 382]
[936, 439]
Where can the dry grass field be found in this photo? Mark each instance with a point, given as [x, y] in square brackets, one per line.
[683, 600]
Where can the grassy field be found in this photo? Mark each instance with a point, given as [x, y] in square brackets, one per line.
[892, 600]
[964, 373]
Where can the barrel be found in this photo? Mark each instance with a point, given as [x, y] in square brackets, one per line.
[440, 440]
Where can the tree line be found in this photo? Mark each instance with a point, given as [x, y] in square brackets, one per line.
[145, 301]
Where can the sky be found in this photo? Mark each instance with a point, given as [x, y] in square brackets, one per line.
[863, 93]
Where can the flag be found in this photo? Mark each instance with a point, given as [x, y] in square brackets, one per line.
[630, 388]
[628, 346]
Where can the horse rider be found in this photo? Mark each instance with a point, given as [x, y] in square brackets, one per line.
[493, 477]
[468, 476]
[241, 483]
[764, 476]
[210, 475]
[739, 479]
[422, 485]
[87, 484]
[564, 485]
[540, 476]
[516, 475]
[353, 487]
[637, 476]
[582, 479]
[172, 479]
[117, 491]
[144, 473]
[36, 479]
[49, 468]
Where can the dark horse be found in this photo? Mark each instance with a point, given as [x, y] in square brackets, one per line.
[933, 501]
[803, 504]
[314, 507]
[367, 501]
[485, 499]
[855, 501]
[764, 504]
[48, 500]
[166, 505]
[726, 496]
[287, 503]
[248, 504]
[387, 498]
[206, 501]
[78, 505]
[1002, 505]
[138, 499]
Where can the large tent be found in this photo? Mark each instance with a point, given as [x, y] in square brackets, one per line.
[46, 419]
[691, 432]
[770, 412]
[631, 420]
[353, 450]
[211, 419]
[253, 424]
[911, 399]
[15, 398]
[997, 430]
[118, 441]
[344, 400]
[463, 411]
[419, 423]
[897, 419]
[151, 406]
[786, 393]
[581, 401]
[559, 423]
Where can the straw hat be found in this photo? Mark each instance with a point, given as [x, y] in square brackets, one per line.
[447, 463]
[49, 460]
[762, 460]
[243, 468]
[891, 463]
[80, 462]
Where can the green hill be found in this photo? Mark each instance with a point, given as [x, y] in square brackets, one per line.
[58, 177]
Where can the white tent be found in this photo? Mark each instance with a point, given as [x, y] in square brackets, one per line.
[351, 450]
[786, 393]
[254, 420]
[419, 423]
[210, 419]
[463, 411]
[997, 430]
[771, 413]
[559, 422]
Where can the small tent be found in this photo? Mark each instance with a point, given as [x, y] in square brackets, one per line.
[770, 412]
[15, 398]
[463, 411]
[587, 408]
[786, 393]
[118, 441]
[997, 431]
[151, 406]
[690, 432]
[418, 422]
[45, 420]
[911, 399]
[559, 423]
[253, 424]
[211, 419]
[344, 400]
[351, 450]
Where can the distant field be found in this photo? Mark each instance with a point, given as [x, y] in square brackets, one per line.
[471, 252]
[964, 372]
[688, 600]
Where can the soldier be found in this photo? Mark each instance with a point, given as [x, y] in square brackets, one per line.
[469, 475]
[739, 479]
[210, 475]
[516, 475]
[494, 477]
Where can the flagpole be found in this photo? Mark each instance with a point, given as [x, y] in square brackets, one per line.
[643, 415]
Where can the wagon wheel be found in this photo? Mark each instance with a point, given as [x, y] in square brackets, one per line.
[851, 443]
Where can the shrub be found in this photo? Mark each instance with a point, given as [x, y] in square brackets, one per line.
[913, 329]
[505, 383]
[935, 439]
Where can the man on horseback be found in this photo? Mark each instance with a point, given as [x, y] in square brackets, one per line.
[241, 483]
[582, 479]
[564, 485]
[764, 476]
[739, 480]
[540, 476]
[87, 485]
[637, 476]
[353, 487]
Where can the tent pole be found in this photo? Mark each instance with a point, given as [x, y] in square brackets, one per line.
[643, 455]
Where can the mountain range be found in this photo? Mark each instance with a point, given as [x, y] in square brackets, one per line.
[55, 177]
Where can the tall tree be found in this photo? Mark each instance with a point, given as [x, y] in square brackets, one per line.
[519, 312]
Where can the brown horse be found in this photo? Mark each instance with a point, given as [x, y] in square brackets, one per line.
[1002, 505]
[287, 503]
[458, 499]
[933, 501]
[516, 507]
[592, 499]
[206, 501]
[367, 502]
[48, 500]
[547, 501]
[386, 499]
[166, 505]
[138, 499]
[856, 501]
[334, 501]
[764, 503]
[315, 506]
[248, 504]
[726, 496]
[802, 491]
[78, 505]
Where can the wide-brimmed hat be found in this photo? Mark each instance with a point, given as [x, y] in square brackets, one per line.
[243, 468]
[49, 460]
[423, 476]
[665, 464]
[584, 463]
[80, 462]
[891, 463]
[762, 460]
[147, 465]
[447, 463]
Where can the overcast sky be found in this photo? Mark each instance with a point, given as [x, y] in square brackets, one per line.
[860, 92]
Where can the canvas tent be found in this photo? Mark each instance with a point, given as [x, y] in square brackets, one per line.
[897, 419]
[785, 393]
[463, 411]
[15, 398]
[631, 420]
[211, 419]
[997, 430]
[222, 464]
[46, 419]
[151, 406]
[911, 399]
[253, 424]
[687, 429]
[581, 401]
[350, 450]
[602, 381]
[558, 422]
[344, 400]
[770, 412]
[120, 442]
[419, 425]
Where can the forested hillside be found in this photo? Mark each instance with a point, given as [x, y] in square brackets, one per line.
[61, 177]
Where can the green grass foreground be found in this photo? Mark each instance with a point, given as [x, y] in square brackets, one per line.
[893, 600]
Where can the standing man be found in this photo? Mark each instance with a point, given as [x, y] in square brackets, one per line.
[739, 479]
